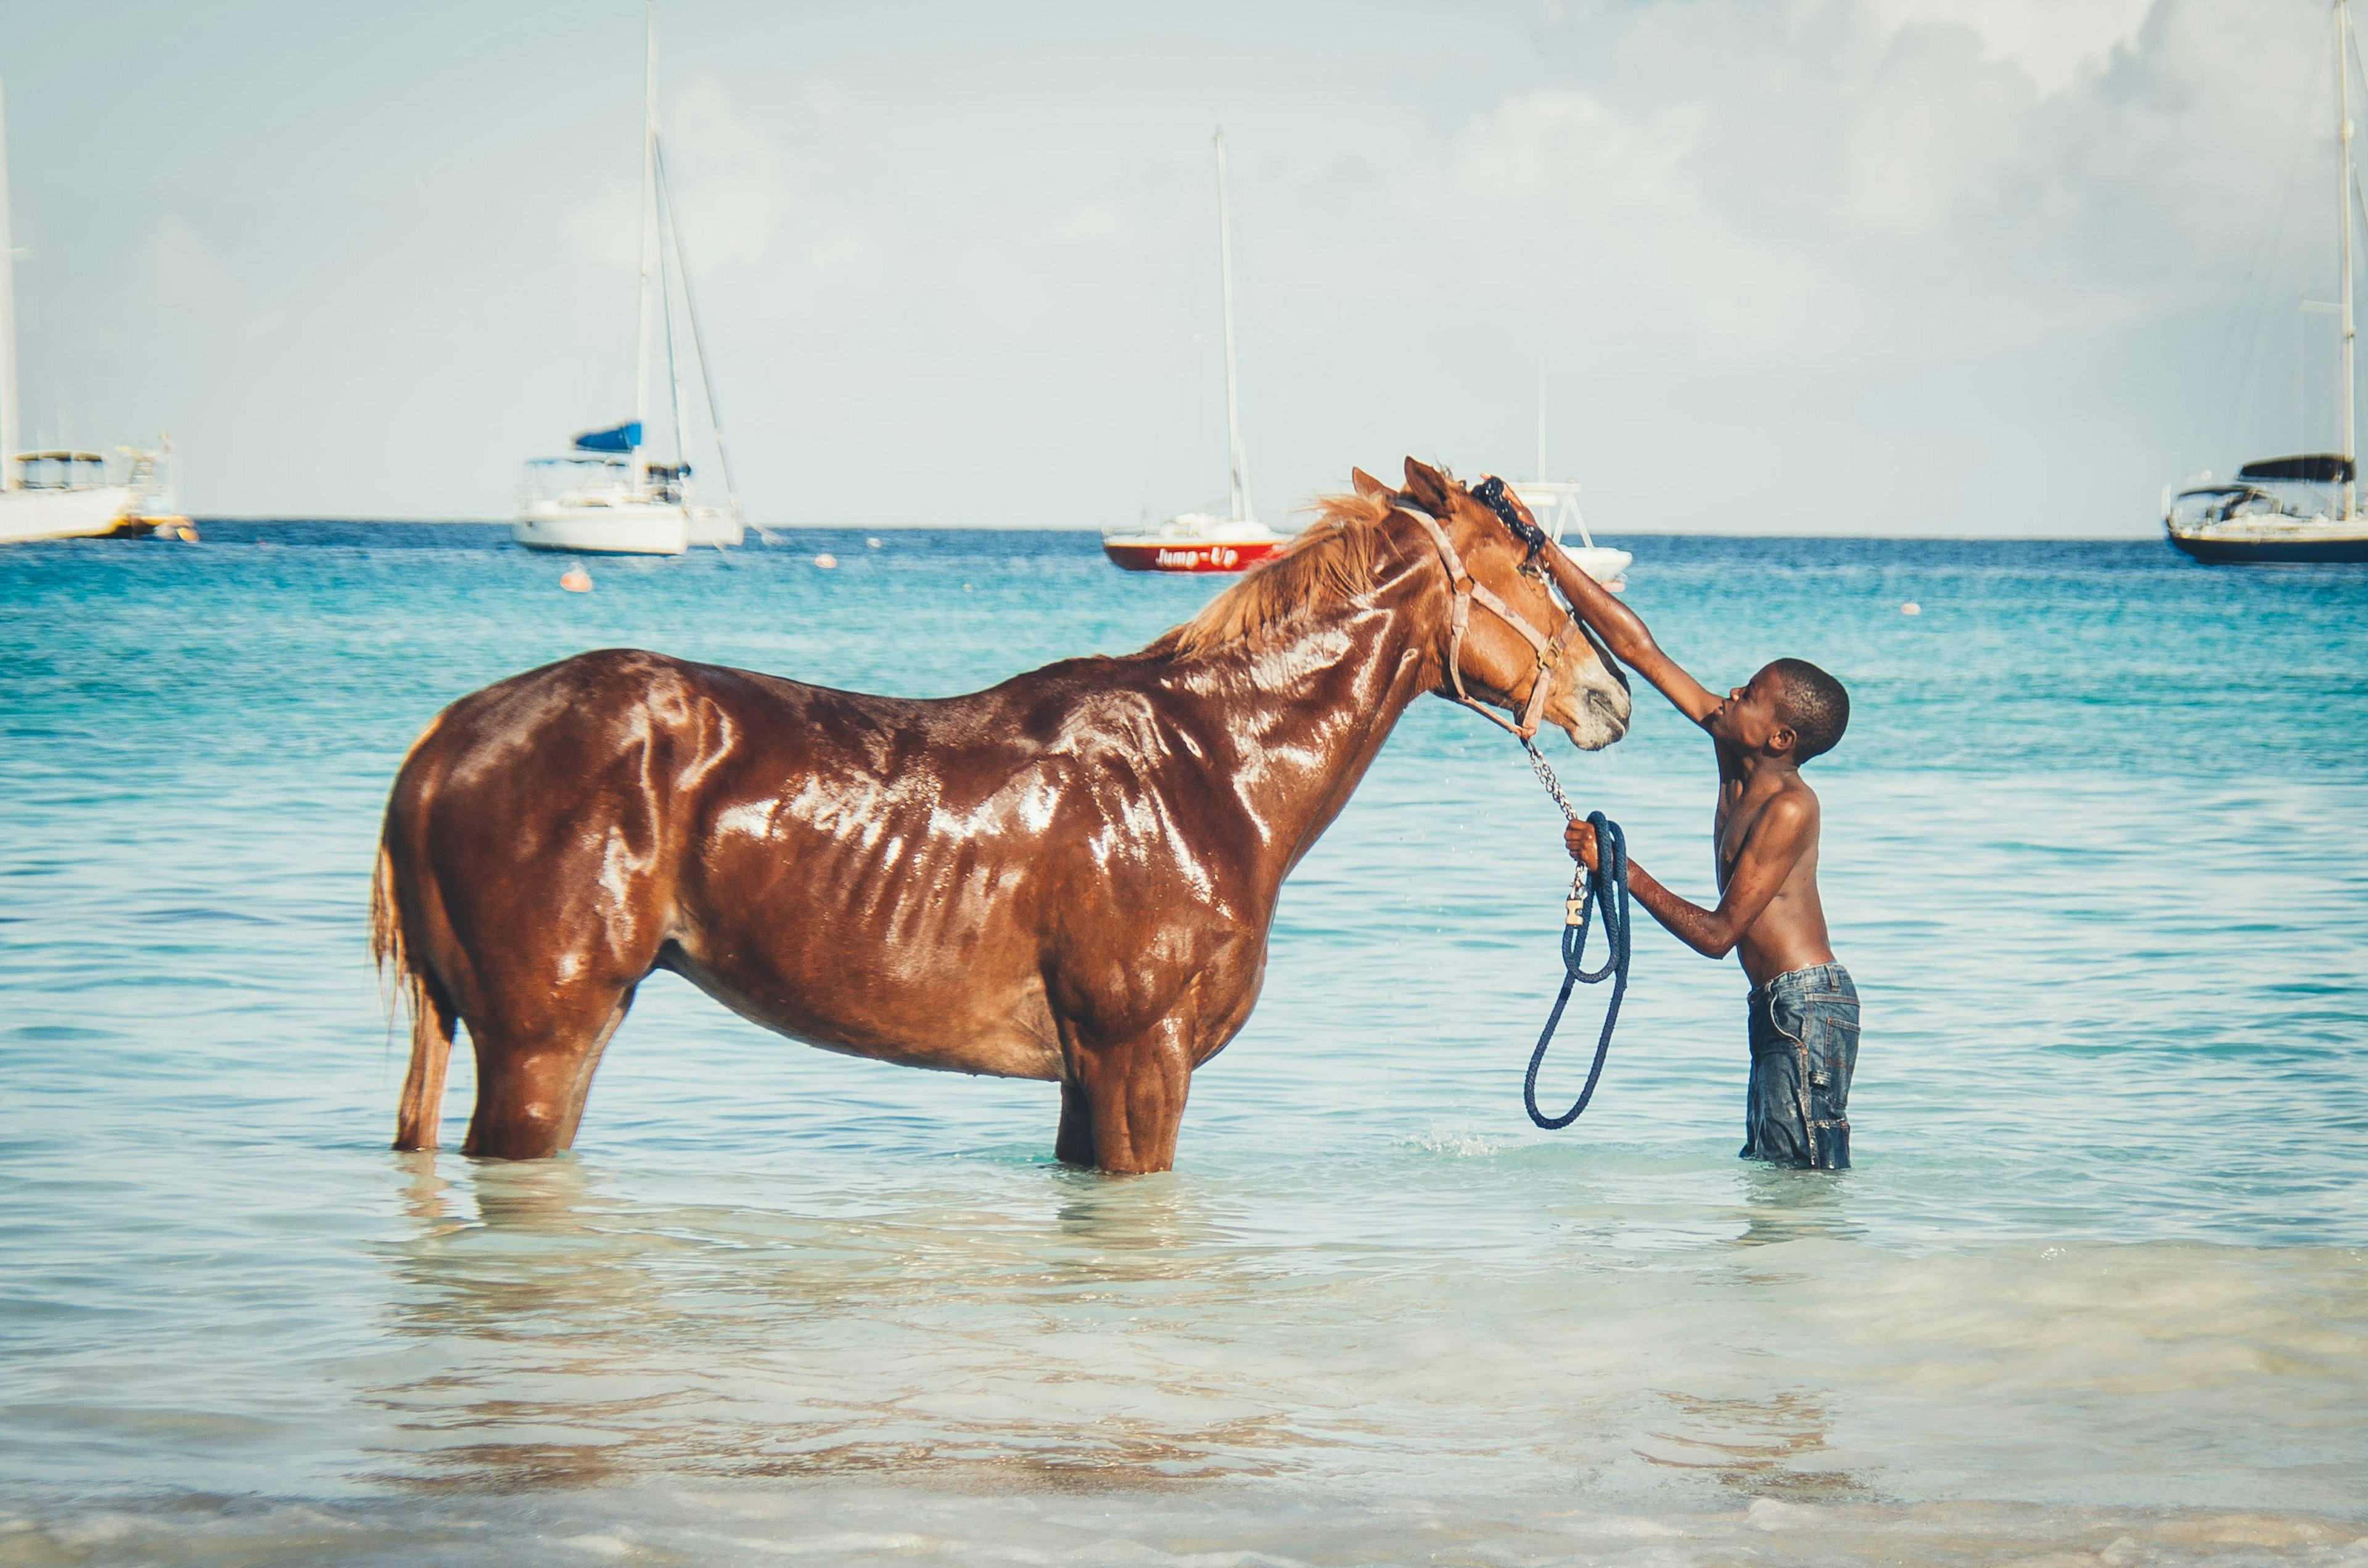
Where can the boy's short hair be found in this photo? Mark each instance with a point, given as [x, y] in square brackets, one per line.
[1815, 706]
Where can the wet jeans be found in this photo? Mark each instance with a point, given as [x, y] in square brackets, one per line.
[1803, 1049]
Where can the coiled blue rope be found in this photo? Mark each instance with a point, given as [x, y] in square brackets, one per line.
[1605, 889]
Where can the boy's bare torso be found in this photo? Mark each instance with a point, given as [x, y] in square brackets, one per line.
[1790, 933]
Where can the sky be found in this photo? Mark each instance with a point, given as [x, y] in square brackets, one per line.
[1890, 267]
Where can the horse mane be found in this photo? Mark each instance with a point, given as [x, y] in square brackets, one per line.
[1330, 561]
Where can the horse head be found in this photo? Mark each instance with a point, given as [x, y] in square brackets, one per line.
[1515, 634]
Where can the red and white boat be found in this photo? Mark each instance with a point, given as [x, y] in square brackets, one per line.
[1198, 541]
[1193, 543]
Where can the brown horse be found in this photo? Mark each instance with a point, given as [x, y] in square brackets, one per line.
[1070, 876]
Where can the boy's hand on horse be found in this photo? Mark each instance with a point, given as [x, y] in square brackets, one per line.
[1580, 839]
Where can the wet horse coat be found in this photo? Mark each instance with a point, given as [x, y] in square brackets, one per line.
[1070, 876]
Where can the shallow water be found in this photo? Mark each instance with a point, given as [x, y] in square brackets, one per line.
[2097, 852]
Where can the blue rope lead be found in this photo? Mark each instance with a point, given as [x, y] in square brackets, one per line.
[1605, 889]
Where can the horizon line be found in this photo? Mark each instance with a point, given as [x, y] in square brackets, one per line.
[281, 519]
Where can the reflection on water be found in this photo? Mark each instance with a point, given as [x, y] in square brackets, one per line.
[1756, 1448]
[1785, 1205]
[1019, 1325]
[704, 1340]
[786, 1303]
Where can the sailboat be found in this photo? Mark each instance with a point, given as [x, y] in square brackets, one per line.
[606, 494]
[1198, 541]
[2301, 508]
[48, 495]
[1554, 504]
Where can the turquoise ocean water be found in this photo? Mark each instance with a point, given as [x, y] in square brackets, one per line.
[2097, 852]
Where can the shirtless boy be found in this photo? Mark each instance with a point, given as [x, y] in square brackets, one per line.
[1764, 839]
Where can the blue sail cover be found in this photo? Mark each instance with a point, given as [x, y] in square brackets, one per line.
[616, 438]
[2315, 468]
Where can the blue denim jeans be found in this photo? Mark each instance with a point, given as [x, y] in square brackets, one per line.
[1803, 1049]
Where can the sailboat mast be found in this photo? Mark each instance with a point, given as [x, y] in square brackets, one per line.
[2343, 174]
[649, 257]
[664, 217]
[1241, 467]
[9, 476]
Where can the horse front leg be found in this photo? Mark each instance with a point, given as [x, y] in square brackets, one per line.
[1122, 1100]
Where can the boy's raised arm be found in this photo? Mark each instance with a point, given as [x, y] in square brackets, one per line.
[1625, 634]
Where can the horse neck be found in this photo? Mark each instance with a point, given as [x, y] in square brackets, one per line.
[1305, 709]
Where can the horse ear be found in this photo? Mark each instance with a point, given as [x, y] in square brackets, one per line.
[1365, 483]
[1429, 487]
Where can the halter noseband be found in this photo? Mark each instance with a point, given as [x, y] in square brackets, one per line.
[1468, 588]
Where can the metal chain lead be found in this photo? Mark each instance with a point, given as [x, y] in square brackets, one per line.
[1573, 906]
[1544, 770]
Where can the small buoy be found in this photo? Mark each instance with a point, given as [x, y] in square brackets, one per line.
[1911, 607]
[186, 534]
[576, 580]
[872, 543]
[825, 561]
[965, 588]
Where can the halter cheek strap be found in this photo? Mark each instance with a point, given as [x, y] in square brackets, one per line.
[1468, 588]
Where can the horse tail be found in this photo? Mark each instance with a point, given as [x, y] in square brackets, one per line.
[420, 1111]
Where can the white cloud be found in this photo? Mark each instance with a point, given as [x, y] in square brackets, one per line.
[1932, 125]
[732, 179]
[727, 170]
[2054, 44]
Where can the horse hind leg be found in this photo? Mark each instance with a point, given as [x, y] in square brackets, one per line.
[534, 1074]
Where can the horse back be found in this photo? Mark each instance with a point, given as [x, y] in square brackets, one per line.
[923, 880]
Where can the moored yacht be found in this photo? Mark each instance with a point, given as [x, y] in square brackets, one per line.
[2303, 508]
[53, 495]
[606, 496]
[2279, 509]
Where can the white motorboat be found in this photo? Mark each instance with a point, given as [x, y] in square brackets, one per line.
[1200, 541]
[2305, 508]
[606, 496]
[52, 494]
[1554, 504]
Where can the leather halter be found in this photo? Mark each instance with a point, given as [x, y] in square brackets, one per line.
[1468, 588]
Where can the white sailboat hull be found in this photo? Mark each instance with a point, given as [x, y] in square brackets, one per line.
[630, 529]
[1598, 561]
[27, 515]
